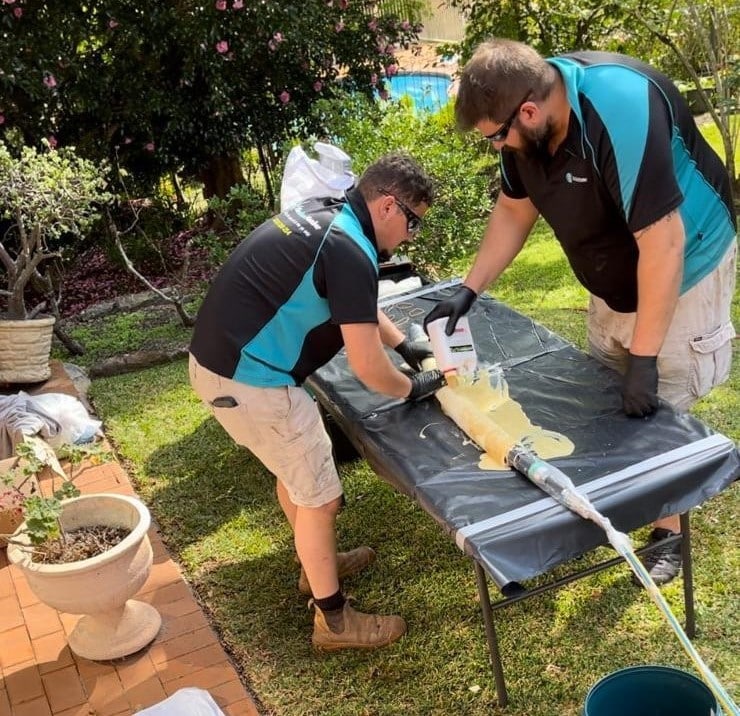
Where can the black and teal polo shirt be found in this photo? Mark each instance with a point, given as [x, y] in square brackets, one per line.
[273, 313]
[632, 154]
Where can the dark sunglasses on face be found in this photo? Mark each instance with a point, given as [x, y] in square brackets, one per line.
[413, 220]
[502, 132]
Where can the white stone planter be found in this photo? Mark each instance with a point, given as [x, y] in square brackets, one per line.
[100, 587]
[24, 349]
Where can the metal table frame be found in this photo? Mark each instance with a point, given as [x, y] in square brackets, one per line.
[488, 607]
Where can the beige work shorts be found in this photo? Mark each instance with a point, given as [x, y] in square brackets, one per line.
[697, 351]
[281, 427]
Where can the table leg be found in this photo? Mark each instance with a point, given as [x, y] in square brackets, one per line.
[688, 576]
[485, 605]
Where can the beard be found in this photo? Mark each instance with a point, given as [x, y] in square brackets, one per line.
[536, 142]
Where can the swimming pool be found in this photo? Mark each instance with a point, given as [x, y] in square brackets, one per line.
[428, 90]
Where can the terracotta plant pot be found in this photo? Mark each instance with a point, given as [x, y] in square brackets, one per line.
[100, 587]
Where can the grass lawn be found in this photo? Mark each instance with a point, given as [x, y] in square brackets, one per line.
[218, 516]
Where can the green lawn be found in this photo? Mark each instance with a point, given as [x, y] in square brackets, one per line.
[215, 506]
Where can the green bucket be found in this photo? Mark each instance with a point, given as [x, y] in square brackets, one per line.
[650, 691]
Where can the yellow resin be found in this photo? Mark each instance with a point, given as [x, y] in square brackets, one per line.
[484, 410]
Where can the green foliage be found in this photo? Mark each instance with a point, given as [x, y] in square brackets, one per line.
[463, 168]
[556, 26]
[242, 210]
[163, 87]
[41, 514]
[45, 196]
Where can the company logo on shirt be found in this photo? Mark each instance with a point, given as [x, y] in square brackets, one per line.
[571, 178]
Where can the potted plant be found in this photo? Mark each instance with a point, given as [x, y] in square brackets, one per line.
[44, 196]
[86, 555]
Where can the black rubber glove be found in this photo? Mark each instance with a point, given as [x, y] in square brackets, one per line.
[640, 386]
[455, 306]
[414, 352]
[424, 384]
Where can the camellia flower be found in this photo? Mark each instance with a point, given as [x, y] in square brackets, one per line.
[272, 45]
[405, 25]
[149, 146]
[2, 119]
[238, 4]
[339, 26]
[9, 2]
[343, 4]
[222, 47]
[285, 96]
[220, 4]
[112, 24]
[127, 140]
[318, 86]
[52, 141]
[18, 12]
[50, 81]
[372, 25]
[391, 70]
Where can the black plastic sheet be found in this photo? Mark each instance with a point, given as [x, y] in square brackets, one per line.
[634, 470]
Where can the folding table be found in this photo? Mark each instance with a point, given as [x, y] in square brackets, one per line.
[633, 470]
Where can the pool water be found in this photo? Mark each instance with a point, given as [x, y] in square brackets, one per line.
[428, 90]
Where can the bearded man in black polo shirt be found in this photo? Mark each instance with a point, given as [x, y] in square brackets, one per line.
[606, 150]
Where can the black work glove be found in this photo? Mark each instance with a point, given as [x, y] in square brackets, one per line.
[640, 386]
[455, 306]
[414, 352]
[424, 384]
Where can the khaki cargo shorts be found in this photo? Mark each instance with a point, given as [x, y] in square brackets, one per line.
[281, 427]
[697, 351]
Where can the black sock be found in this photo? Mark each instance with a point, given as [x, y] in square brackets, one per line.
[333, 610]
[331, 604]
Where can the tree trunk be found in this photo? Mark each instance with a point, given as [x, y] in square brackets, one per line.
[220, 175]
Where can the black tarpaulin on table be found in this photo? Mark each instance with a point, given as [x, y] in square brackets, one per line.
[634, 470]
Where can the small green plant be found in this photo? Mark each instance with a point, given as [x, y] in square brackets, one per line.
[41, 514]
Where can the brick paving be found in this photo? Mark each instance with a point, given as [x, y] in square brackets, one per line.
[42, 677]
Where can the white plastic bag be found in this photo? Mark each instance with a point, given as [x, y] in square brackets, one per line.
[189, 701]
[305, 178]
[76, 426]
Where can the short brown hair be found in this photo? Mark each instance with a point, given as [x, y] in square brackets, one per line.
[400, 175]
[496, 77]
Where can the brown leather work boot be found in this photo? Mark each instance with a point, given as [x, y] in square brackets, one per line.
[348, 563]
[355, 630]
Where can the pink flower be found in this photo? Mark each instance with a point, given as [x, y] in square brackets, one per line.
[127, 140]
[278, 37]
[272, 45]
[112, 24]
[372, 25]
[391, 70]
[373, 79]
[343, 4]
[52, 141]
[220, 4]
[149, 146]
[9, 2]
[2, 119]
[50, 81]
[222, 47]
[383, 94]
[339, 26]
[238, 4]
[405, 25]
[285, 96]
[18, 12]
[318, 86]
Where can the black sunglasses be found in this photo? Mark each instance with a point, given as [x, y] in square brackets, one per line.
[501, 133]
[413, 220]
